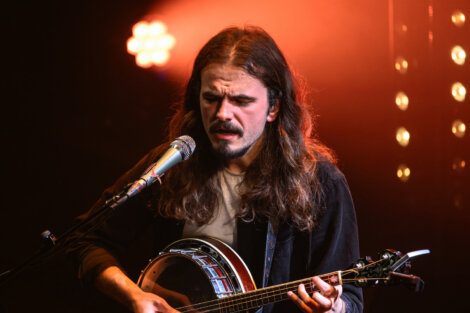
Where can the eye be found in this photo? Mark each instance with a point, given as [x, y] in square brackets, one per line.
[211, 98]
[242, 101]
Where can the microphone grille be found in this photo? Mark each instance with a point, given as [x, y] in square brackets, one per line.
[185, 144]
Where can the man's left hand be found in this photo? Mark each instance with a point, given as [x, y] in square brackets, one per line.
[326, 299]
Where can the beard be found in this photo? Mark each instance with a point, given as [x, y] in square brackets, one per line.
[222, 148]
[223, 151]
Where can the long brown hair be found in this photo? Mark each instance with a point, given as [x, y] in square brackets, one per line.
[281, 183]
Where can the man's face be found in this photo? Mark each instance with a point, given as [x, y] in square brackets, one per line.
[234, 109]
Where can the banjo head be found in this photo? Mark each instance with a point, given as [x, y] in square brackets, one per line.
[196, 270]
[178, 279]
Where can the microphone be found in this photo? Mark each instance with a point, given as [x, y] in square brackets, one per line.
[180, 150]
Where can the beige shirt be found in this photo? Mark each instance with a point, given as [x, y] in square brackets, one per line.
[223, 224]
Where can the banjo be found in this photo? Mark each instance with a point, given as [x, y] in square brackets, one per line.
[221, 282]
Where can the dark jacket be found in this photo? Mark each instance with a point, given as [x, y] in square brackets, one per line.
[286, 254]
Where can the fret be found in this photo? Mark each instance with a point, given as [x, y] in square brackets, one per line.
[257, 298]
[260, 297]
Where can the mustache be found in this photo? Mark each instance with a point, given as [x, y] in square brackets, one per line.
[225, 127]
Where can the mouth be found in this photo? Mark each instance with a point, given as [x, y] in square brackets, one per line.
[225, 131]
[225, 135]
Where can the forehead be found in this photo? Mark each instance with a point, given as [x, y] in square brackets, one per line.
[228, 78]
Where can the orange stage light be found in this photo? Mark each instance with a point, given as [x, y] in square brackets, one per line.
[150, 43]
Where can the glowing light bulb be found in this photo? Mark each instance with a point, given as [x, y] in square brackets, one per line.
[403, 173]
[458, 55]
[459, 128]
[160, 57]
[458, 91]
[458, 18]
[144, 59]
[402, 136]
[141, 29]
[401, 65]
[166, 42]
[402, 100]
[156, 29]
[458, 165]
[150, 43]
[134, 45]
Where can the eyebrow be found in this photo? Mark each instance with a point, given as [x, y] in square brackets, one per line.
[242, 97]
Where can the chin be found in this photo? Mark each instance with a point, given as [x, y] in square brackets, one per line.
[223, 150]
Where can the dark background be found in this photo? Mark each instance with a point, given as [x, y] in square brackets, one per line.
[77, 112]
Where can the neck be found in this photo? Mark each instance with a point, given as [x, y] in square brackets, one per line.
[236, 166]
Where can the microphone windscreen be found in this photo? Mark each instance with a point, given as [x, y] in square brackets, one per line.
[185, 144]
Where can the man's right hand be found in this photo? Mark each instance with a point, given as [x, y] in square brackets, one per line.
[146, 302]
[113, 282]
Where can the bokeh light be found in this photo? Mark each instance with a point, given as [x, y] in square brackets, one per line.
[402, 101]
[458, 91]
[403, 136]
[458, 18]
[150, 43]
[459, 128]
[401, 65]
[403, 173]
[458, 165]
[458, 55]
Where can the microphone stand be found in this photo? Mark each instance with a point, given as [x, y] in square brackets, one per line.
[52, 244]
[180, 149]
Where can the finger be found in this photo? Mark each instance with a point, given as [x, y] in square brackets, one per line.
[303, 294]
[324, 288]
[339, 290]
[323, 302]
[162, 306]
[298, 302]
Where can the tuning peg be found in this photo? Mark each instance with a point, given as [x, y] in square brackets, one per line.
[390, 254]
[362, 262]
[411, 281]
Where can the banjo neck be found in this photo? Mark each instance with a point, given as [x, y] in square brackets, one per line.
[259, 297]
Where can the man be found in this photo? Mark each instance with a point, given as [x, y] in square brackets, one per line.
[257, 181]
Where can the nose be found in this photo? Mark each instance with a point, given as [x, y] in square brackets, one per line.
[224, 111]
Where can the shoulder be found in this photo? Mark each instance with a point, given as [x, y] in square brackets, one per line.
[335, 195]
[328, 174]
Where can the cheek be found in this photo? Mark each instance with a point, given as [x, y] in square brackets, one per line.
[260, 118]
[255, 123]
[205, 115]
